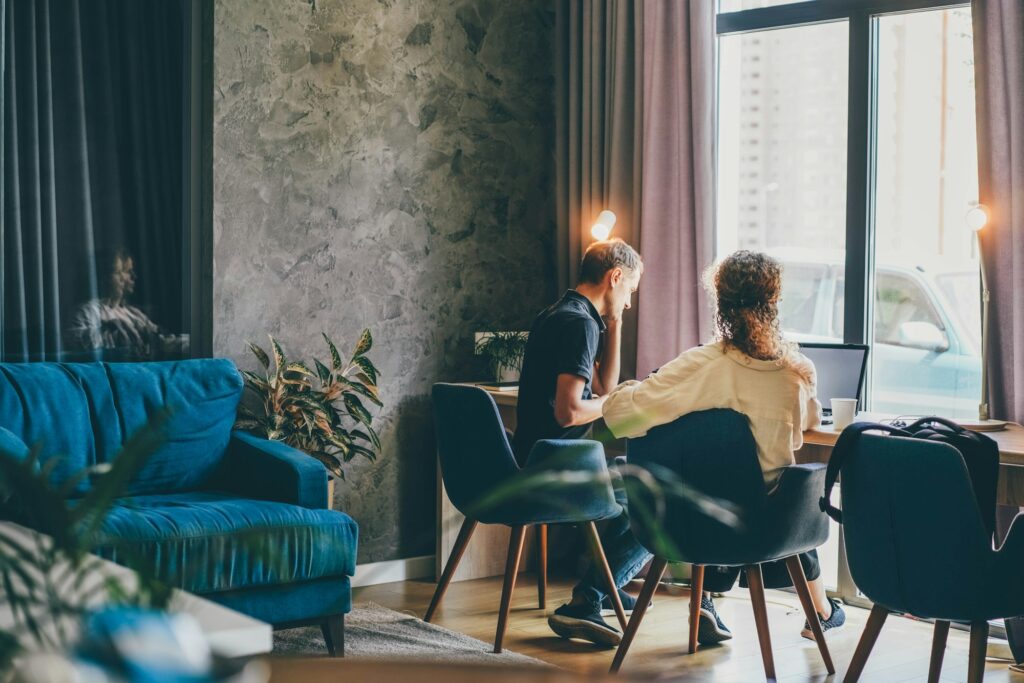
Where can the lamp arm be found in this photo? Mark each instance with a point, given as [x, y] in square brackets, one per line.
[983, 411]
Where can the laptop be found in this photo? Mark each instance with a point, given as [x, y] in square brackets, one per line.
[841, 369]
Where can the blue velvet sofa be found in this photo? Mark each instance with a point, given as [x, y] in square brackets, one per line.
[208, 500]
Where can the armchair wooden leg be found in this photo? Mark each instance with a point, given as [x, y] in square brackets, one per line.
[796, 572]
[542, 566]
[976, 659]
[938, 651]
[867, 641]
[756, 583]
[696, 594]
[515, 551]
[334, 635]
[458, 550]
[654, 574]
[594, 540]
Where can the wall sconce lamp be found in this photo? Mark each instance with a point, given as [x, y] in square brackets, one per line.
[602, 227]
[976, 220]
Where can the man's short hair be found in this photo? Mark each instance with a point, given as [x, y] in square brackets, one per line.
[606, 255]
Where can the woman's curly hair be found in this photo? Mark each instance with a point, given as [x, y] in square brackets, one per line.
[746, 286]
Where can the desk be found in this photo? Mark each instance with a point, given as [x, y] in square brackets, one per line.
[818, 445]
[486, 553]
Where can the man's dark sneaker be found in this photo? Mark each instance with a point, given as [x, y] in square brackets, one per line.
[835, 620]
[628, 604]
[583, 622]
[710, 627]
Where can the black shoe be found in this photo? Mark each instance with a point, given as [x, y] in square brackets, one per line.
[710, 627]
[835, 620]
[583, 622]
[628, 605]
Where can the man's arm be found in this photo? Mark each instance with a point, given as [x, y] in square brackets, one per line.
[606, 370]
[571, 409]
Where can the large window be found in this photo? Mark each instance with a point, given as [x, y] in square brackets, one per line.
[847, 149]
[104, 186]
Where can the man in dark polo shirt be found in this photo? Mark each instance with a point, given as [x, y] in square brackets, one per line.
[571, 363]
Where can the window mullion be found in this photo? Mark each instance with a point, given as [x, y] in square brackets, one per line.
[859, 170]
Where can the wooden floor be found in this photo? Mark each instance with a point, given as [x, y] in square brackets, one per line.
[901, 653]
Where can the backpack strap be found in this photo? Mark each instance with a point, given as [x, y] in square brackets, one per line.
[844, 445]
[925, 421]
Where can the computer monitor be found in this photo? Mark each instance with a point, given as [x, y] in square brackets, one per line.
[840, 369]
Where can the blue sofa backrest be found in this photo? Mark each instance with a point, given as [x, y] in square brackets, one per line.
[84, 412]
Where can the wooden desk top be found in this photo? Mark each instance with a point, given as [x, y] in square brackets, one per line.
[1010, 440]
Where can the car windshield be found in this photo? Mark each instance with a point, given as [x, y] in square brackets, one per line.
[963, 292]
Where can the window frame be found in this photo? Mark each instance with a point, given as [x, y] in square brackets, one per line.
[862, 125]
[861, 144]
[197, 250]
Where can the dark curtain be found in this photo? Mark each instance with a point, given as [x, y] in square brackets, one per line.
[634, 97]
[94, 142]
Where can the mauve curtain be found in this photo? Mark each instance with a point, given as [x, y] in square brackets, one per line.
[634, 130]
[677, 160]
[92, 140]
[999, 80]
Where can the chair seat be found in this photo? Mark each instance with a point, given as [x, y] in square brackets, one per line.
[204, 542]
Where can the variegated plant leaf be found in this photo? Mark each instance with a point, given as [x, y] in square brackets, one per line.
[364, 345]
[260, 354]
[335, 356]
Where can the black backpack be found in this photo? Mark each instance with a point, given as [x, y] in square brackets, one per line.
[980, 454]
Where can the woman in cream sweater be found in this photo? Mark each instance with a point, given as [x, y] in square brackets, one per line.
[749, 369]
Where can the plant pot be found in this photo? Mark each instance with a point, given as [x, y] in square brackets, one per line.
[330, 492]
[508, 375]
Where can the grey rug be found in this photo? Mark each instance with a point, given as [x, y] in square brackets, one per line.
[375, 632]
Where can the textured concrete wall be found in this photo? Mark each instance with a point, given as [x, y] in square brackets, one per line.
[383, 163]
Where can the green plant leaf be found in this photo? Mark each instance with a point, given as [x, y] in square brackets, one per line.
[367, 390]
[365, 343]
[335, 356]
[371, 437]
[260, 354]
[322, 371]
[366, 367]
[255, 382]
[363, 451]
[356, 409]
[279, 358]
[299, 367]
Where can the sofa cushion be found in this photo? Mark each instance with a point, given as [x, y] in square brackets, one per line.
[45, 406]
[202, 396]
[205, 542]
[82, 413]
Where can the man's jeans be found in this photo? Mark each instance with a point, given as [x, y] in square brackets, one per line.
[625, 555]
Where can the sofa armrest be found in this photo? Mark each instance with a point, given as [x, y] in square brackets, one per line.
[271, 470]
[12, 446]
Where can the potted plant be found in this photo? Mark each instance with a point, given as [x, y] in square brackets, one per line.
[320, 412]
[504, 352]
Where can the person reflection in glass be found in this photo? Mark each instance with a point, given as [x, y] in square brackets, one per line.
[115, 328]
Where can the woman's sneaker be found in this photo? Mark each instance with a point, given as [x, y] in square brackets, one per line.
[583, 622]
[835, 620]
[628, 605]
[710, 627]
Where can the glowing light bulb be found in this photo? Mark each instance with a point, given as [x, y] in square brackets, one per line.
[976, 218]
[602, 228]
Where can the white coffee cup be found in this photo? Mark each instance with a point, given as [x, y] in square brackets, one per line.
[843, 412]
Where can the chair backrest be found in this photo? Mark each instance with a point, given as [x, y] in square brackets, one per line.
[915, 539]
[713, 452]
[471, 443]
[83, 413]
